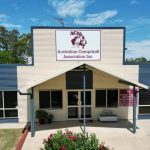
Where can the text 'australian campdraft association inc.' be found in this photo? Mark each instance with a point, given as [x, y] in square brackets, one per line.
[77, 53]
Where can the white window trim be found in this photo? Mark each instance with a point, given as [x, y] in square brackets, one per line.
[3, 108]
[143, 105]
[50, 90]
[106, 98]
[78, 105]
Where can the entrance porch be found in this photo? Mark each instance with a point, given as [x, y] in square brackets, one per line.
[63, 96]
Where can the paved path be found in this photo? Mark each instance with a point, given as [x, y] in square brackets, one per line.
[12, 125]
[116, 135]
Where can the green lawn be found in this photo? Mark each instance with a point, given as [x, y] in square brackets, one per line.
[9, 138]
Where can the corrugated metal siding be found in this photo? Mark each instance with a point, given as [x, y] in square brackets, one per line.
[8, 77]
[144, 74]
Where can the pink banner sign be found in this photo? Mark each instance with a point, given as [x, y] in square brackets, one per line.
[126, 97]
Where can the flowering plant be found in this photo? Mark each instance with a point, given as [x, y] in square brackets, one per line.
[72, 141]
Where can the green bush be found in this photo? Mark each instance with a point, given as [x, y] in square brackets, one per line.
[50, 118]
[72, 141]
[42, 116]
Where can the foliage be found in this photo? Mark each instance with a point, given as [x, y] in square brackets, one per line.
[41, 114]
[6, 57]
[72, 141]
[14, 47]
[137, 60]
[50, 118]
[9, 138]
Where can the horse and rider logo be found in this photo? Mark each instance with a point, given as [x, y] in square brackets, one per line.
[78, 39]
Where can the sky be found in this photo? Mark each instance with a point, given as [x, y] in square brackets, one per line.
[132, 14]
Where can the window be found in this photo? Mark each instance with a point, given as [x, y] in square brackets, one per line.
[50, 99]
[74, 79]
[10, 99]
[8, 104]
[106, 98]
[87, 96]
[1, 114]
[56, 99]
[144, 101]
[1, 100]
[72, 98]
[88, 112]
[144, 97]
[112, 98]
[44, 97]
[11, 113]
[100, 98]
[144, 110]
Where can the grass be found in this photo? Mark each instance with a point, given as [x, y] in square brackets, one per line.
[9, 138]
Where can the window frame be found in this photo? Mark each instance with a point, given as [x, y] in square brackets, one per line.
[50, 90]
[5, 109]
[143, 105]
[107, 97]
[117, 98]
[139, 106]
[51, 99]
[39, 98]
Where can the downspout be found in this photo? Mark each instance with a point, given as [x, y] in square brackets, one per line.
[31, 110]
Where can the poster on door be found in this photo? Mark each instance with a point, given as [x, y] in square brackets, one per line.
[126, 97]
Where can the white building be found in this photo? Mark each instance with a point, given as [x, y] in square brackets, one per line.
[56, 76]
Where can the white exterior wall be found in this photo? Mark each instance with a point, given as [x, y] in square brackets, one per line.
[45, 64]
[100, 81]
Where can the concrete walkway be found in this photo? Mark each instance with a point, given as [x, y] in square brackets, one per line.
[12, 125]
[116, 135]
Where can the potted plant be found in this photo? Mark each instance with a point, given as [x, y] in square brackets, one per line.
[50, 118]
[42, 116]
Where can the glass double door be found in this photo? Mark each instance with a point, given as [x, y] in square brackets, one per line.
[76, 104]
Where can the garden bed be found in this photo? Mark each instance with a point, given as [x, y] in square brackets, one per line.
[72, 141]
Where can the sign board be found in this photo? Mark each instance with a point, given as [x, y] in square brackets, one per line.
[78, 45]
[126, 97]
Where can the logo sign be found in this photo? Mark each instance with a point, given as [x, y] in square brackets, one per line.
[78, 45]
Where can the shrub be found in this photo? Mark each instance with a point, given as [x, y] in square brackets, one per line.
[72, 141]
[42, 116]
[50, 118]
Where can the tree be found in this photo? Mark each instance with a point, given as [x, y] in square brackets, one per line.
[18, 45]
[3, 38]
[137, 60]
[6, 57]
[141, 59]
[13, 44]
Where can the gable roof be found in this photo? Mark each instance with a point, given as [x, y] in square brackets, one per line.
[70, 67]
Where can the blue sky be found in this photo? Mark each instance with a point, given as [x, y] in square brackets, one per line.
[133, 14]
